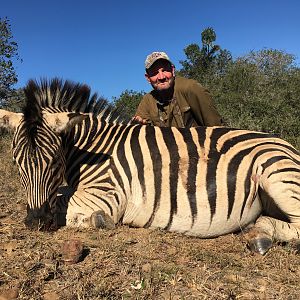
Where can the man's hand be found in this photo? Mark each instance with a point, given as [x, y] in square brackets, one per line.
[140, 120]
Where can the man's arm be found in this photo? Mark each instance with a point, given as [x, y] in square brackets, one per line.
[202, 106]
[142, 115]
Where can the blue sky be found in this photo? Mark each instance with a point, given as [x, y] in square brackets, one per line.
[104, 43]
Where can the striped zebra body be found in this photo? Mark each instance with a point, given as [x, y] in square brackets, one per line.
[200, 181]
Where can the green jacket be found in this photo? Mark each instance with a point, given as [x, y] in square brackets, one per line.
[192, 105]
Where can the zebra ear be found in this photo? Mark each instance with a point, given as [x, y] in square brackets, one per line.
[63, 121]
[9, 120]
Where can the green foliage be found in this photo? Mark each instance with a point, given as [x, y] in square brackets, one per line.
[8, 51]
[128, 101]
[260, 91]
[15, 100]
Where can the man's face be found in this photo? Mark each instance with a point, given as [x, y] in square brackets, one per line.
[161, 75]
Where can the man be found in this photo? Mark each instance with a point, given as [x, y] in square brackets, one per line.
[178, 102]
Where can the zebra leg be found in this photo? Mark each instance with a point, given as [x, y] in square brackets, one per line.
[85, 210]
[259, 238]
[99, 219]
[281, 221]
[267, 230]
[73, 210]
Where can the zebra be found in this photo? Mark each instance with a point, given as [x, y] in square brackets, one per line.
[82, 164]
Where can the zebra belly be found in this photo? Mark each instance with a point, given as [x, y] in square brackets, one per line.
[142, 211]
[220, 224]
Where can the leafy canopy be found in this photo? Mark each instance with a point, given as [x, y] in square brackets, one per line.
[8, 51]
[128, 101]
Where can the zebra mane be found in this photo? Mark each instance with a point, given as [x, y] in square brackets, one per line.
[57, 95]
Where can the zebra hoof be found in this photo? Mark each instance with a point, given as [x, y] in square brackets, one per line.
[260, 245]
[100, 219]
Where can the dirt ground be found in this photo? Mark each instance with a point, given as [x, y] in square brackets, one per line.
[131, 263]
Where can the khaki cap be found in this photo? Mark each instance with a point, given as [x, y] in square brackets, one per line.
[154, 56]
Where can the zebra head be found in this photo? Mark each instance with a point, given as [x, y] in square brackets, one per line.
[51, 110]
[38, 152]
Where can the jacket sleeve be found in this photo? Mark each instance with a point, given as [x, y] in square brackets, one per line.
[143, 109]
[202, 106]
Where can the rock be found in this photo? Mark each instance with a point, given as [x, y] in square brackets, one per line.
[71, 251]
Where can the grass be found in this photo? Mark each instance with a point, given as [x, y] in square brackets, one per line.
[131, 263]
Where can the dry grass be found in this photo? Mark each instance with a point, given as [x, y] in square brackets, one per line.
[129, 263]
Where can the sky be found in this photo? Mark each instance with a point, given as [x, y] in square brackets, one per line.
[104, 43]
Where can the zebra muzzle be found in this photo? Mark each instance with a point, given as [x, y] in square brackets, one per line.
[39, 218]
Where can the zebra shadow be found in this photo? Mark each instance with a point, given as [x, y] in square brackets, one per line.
[81, 165]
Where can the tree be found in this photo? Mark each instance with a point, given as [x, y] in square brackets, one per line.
[15, 100]
[8, 51]
[128, 101]
[209, 50]
[204, 63]
[260, 91]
